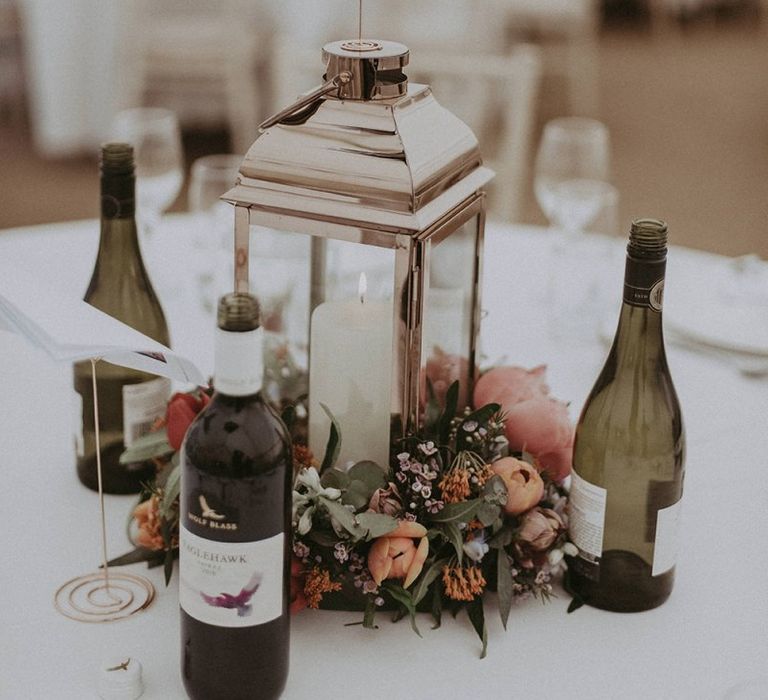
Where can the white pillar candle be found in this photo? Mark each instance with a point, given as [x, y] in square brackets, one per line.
[351, 373]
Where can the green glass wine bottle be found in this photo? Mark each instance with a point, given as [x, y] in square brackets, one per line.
[628, 461]
[129, 401]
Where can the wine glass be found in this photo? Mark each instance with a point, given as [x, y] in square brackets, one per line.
[572, 189]
[571, 171]
[156, 138]
[211, 176]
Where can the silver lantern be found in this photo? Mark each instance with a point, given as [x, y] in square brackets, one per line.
[361, 206]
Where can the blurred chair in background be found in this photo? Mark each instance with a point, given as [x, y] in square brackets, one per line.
[206, 61]
[567, 32]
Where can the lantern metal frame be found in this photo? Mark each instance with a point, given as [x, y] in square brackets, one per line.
[355, 160]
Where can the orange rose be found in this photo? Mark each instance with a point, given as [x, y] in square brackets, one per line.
[148, 519]
[524, 485]
[395, 555]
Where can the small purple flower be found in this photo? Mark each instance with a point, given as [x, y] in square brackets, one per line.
[428, 448]
[402, 478]
[470, 426]
[300, 550]
[370, 587]
[403, 458]
[379, 601]
[416, 486]
[434, 506]
[426, 491]
[411, 517]
[417, 468]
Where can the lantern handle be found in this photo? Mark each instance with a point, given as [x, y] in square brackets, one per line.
[305, 100]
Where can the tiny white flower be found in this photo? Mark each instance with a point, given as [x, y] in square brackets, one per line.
[570, 549]
[305, 522]
[475, 549]
[555, 557]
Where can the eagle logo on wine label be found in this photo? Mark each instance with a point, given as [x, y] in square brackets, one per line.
[240, 601]
[207, 512]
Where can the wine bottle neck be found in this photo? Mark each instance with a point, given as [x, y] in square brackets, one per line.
[639, 335]
[119, 240]
[239, 362]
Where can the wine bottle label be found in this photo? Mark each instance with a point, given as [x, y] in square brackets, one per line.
[143, 404]
[587, 515]
[644, 283]
[665, 546]
[230, 584]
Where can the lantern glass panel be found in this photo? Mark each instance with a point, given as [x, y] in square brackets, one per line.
[448, 326]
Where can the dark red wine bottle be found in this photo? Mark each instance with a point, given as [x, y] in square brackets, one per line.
[235, 533]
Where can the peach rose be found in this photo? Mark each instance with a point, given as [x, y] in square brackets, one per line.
[539, 529]
[395, 555]
[534, 421]
[524, 485]
[148, 519]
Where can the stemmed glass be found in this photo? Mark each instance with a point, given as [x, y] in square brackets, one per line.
[572, 188]
[211, 176]
[571, 171]
[156, 138]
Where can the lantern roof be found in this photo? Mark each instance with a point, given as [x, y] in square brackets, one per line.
[397, 162]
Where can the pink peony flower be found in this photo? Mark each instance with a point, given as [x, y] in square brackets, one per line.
[524, 485]
[539, 529]
[386, 501]
[534, 421]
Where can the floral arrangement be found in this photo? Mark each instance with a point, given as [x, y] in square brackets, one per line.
[472, 503]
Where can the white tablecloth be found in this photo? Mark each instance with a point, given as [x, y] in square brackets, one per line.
[710, 635]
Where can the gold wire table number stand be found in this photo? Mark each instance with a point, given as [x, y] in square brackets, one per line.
[103, 596]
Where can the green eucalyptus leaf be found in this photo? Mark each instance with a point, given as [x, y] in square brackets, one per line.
[146, 447]
[461, 512]
[377, 524]
[334, 479]
[345, 518]
[504, 586]
[356, 494]
[370, 473]
[495, 490]
[333, 446]
[477, 618]
[426, 580]
[488, 513]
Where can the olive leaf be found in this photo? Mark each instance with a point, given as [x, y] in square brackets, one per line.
[461, 512]
[146, 447]
[333, 447]
[343, 516]
[504, 586]
[452, 533]
[477, 618]
[399, 594]
[426, 579]
[172, 489]
[488, 513]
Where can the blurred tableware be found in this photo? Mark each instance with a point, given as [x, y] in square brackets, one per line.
[571, 171]
[572, 189]
[211, 176]
[156, 139]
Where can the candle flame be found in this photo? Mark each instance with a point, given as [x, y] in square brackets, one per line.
[362, 287]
